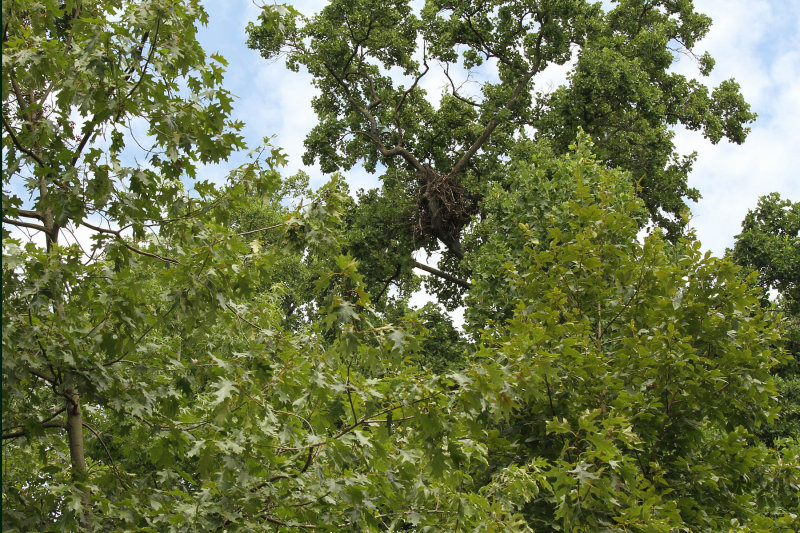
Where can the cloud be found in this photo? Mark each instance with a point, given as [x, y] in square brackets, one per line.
[756, 43]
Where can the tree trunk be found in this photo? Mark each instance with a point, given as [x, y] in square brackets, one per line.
[73, 401]
[76, 449]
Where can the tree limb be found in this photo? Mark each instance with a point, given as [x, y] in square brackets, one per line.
[118, 235]
[30, 214]
[288, 524]
[397, 150]
[455, 89]
[39, 374]
[149, 59]
[19, 146]
[274, 226]
[19, 223]
[512, 102]
[490, 127]
[413, 85]
[144, 333]
[108, 453]
[444, 275]
[389, 281]
[23, 432]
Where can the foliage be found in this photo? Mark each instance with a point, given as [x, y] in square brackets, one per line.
[371, 59]
[215, 361]
[647, 366]
[770, 245]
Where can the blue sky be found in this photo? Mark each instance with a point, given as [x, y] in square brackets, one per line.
[757, 42]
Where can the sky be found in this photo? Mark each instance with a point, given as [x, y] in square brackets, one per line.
[757, 42]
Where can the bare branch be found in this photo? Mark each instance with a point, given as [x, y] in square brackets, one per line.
[21, 224]
[455, 89]
[398, 150]
[30, 214]
[288, 524]
[512, 102]
[17, 89]
[444, 275]
[274, 226]
[413, 85]
[240, 317]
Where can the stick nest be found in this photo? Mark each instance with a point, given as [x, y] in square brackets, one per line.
[443, 206]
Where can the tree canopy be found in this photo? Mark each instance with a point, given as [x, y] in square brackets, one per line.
[769, 244]
[239, 354]
[368, 60]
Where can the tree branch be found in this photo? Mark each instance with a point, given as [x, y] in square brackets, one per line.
[512, 102]
[23, 432]
[90, 126]
[30, 214]
[288, 524]
[39, 374]
[444, 275]
[490, 127]
[37, 227]
[240, 317]
[118, 235]
[455, 89]
[144, 333]
[245, 233]
[397, 150]
[103, 444]
[19, 146]
[413, 85]
[149, 59]
[389, 281]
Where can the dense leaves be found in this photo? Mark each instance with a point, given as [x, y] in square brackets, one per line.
[770, 245]
[243, 357]
[370, 61]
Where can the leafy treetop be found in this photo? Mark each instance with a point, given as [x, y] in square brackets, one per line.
[368, 60]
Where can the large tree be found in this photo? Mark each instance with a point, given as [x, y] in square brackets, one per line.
[213, 362]
[369, 60]
[769, 244]
[78, 77]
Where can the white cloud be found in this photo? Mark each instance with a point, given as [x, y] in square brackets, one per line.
[757, 44]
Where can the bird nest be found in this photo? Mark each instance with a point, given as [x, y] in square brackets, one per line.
[443, 206]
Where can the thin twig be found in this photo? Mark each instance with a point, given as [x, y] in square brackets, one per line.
[19, 146]
[120, 238]
[108, 453]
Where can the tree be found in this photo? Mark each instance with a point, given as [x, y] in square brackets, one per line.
[624, 350]
[769, 244]
[75, 77]
[217, 363]
[369, 58]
